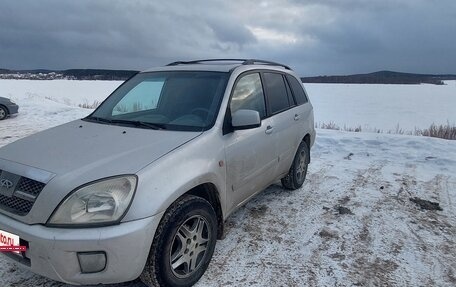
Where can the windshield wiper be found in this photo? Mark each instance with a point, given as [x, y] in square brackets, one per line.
[148, 125]
[139, 124]
[97, 119]
[128, 122]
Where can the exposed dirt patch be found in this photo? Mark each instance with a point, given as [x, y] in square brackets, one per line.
[396, 248]
[328, 234]
[426, 204]
[259, 211]
[337, 256]
[344, 200]
[349, 156]
[376, 273]
[364, 234]
[343, 210]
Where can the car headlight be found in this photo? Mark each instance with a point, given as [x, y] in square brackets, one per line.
[101, 202]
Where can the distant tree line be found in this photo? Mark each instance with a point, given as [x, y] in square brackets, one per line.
[72, 74]
[99, 74]
[382, 77]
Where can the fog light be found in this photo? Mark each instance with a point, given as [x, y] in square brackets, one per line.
[91, 262]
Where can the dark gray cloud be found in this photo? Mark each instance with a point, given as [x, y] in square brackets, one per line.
[314, 37]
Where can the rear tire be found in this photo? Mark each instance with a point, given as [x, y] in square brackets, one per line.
[298, 171]
[3, 113]
[183, 244]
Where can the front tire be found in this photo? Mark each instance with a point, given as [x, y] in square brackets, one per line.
[183, 244]
[298, 171]
[3, 113]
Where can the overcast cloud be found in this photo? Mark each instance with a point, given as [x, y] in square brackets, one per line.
[314, 37]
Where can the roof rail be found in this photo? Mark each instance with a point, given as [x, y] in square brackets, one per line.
[243, 62]
[262, 62]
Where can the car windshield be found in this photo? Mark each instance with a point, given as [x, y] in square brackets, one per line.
[177, 100]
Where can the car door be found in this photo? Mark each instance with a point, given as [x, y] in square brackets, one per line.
[281, 105]
[250, 154]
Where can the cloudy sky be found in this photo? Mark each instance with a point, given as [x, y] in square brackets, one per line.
[315, 37]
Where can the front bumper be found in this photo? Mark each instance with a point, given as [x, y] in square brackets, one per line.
[52, 252]
[13, 109]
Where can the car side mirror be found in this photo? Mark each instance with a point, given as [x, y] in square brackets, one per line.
[245, 119]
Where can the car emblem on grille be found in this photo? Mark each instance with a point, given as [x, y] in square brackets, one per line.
[6, 183]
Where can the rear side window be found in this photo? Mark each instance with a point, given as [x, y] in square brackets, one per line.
[297, 89]
[276, 92]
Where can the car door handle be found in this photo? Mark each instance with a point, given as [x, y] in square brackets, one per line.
[297, 117]
[269, 129]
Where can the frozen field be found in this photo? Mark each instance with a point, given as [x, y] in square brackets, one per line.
[373, 107]
[383, 107]
[352, 223]
[44, 104]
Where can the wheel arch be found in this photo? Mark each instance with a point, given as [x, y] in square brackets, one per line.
[206, 191]
[6, 109]
[209, 192]
[307, 140]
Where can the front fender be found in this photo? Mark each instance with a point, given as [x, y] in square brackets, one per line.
[164, 181]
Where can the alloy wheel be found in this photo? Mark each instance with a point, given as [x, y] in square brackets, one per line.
[189, 246]
[302, 166]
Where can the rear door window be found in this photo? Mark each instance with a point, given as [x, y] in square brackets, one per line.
[276, 92]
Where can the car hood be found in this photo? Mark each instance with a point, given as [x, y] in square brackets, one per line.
[79, 152]
[81, 147]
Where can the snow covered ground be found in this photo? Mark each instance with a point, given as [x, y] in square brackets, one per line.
[373, 107]
[44, 104]
[383, 107]
[352, 223]
[300, 238]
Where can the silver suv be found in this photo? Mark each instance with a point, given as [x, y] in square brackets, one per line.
[143, 185]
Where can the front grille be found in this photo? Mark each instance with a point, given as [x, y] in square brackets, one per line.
[30, 186]
[15, 205]
[21, 201]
